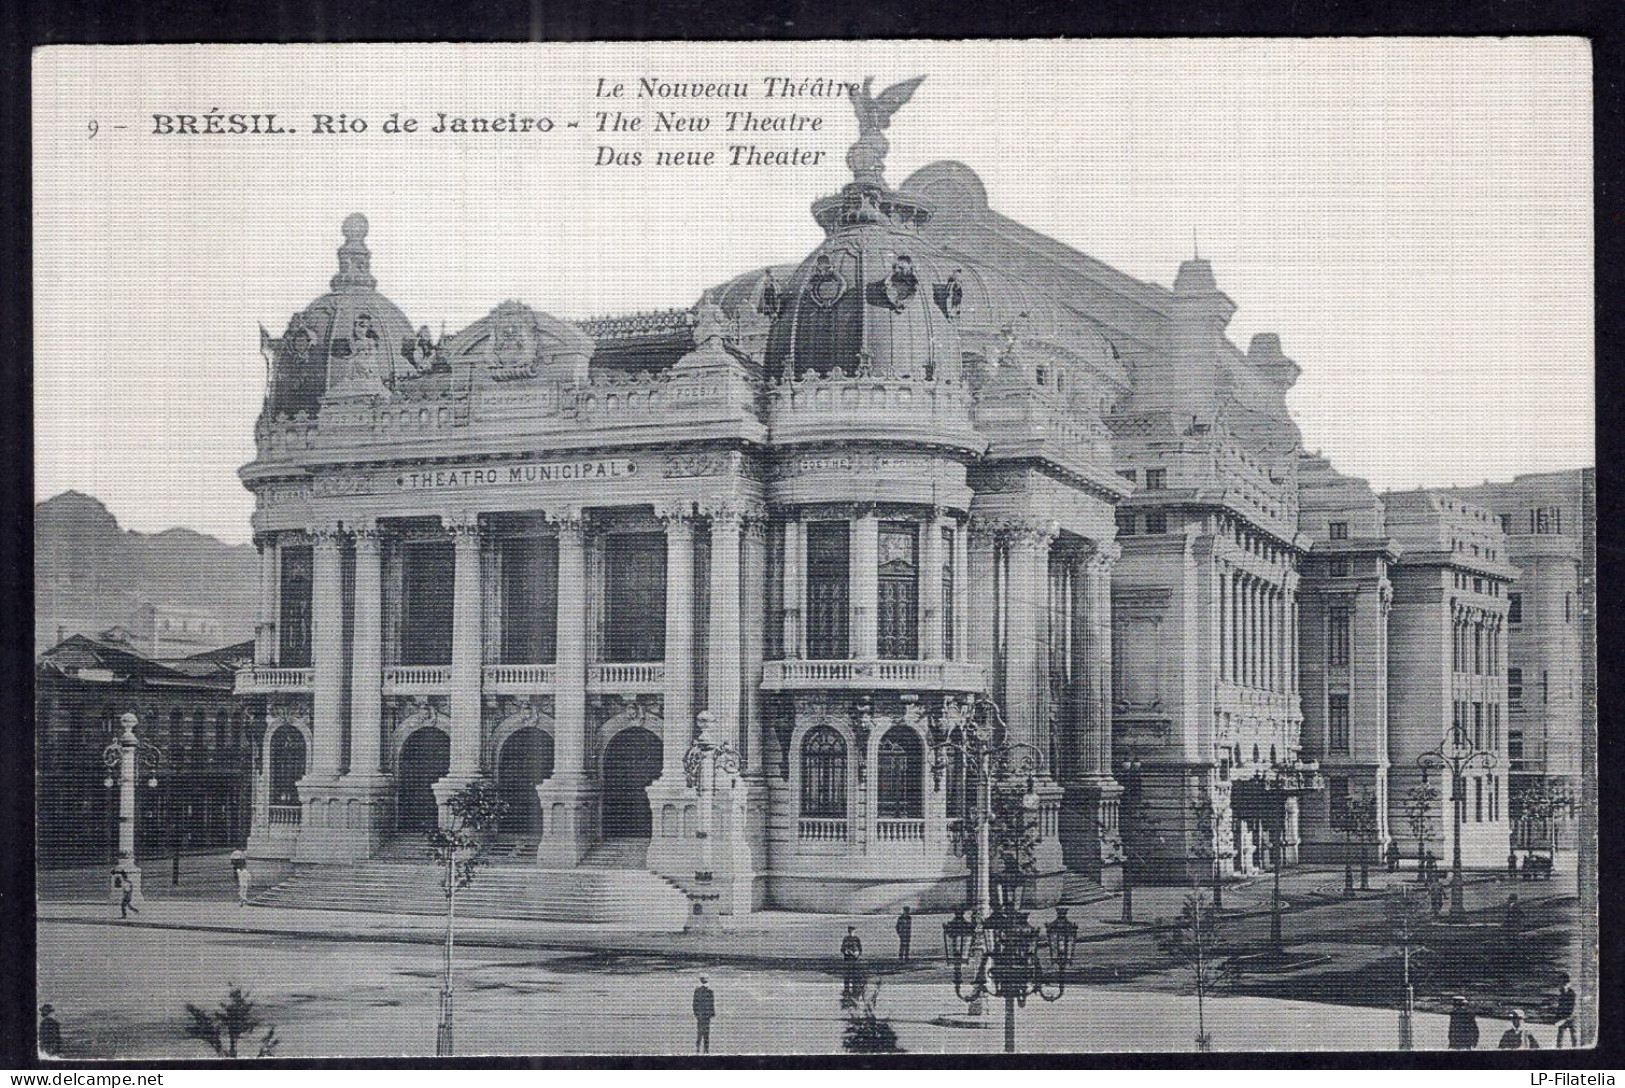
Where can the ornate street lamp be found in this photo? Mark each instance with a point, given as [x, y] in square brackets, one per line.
[1458, 754]
[1019, 960]
[131, 757]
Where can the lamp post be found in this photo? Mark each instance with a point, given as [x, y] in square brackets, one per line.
[131, 756]
[973, 731]
[1130, 803]
[1018, 960]
[1458, 754]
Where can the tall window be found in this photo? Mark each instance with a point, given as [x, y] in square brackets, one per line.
[294, 622]
[1568, 608]
[1156, 522]
[948, 593]
[823, 775]
[1545, 687]
[1156, 479]
[428, 572]
[1337, 722]
[1514, 607]
[1478, 725]
[1125, 523]
[897, 613]
[828, 589]
[1546, 520]
[1478, 650]
[1338, 566]
[530, 600]
[635, 619]
[1506, 524]
[1515, 687]
[1337, 638]
[1478, 800]
[902, 779]
[1337, 530]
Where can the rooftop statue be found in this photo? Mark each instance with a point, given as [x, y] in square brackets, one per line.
[867, 157]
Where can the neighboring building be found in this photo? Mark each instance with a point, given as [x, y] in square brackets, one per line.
[186, 708]
[942, 456]
[1543, 517]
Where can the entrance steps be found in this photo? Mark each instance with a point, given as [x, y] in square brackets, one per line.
[605, 895]
[617, 854]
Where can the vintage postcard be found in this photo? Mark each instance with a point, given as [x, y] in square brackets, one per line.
[812, 549]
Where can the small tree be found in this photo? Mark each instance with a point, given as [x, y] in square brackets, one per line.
[1194, 940]
[1540, 805]
[1417, 808]
[867, 1033]
[1407, 914]
[459, 848]
[1356, 818]
[1206, 847]
[224, 1028]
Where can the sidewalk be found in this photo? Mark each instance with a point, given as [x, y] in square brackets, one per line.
[779, 937]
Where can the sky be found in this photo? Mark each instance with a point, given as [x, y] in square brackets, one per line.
[1413, 217]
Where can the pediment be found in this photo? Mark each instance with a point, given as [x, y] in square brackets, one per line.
[515, 344]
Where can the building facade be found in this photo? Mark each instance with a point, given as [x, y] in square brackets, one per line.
[200, 791]
[715, 581]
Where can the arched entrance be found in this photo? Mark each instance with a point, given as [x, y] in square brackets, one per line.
[287, 765]
[525, 761]
[631, 761]
[425, 758]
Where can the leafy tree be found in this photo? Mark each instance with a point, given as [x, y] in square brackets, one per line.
[1418, 809]
[1194, 941]
[867, 1033]
[459, 848]
[1356, 818]
[224, 1028]
[1539, 806]
[1206, 847]
[1407, 915]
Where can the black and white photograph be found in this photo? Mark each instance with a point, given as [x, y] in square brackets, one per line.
[843, 548]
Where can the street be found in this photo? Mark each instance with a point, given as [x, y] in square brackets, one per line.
[120, 989]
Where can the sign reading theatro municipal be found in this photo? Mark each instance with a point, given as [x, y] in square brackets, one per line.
[939, 584]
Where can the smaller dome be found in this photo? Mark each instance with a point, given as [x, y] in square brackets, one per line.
[350, 341]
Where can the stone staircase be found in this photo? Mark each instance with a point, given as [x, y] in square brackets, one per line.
[399, 881]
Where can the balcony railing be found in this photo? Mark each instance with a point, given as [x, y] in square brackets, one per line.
[626, 676]
[814, 830]
[262, 680]
[416, 679]
[901, 675]
[519, 679]
[900, 830]
[285, 815]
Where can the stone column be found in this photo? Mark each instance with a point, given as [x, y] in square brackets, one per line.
[961, 589]
[1024, 597]
[1091, 834]
[795, 559]
[327, 654]
[467, 656]
[723, 650]
[678, 708]
[568, 799]
[265, 632]
[931, 609]
[366, 658]
[865, 586]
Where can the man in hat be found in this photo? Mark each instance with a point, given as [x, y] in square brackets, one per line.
[1517, 1037]
[1463, 1034]
[50, 1032]
[1565, 1013]
[905, 930]
[239, 865]
[852, 962]
[705, 1008]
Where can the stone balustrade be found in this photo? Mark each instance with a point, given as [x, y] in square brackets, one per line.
[821, 830]
[889, 830]
[876, 674]
[417, 679]
[628, 677]
[816, 407]
[264, 680]
[519, 679]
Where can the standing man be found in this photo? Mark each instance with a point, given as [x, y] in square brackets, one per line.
[852, 960]
[126, 902]
[1436, 896]
[1565, 1013]
[1463, 1033]
[50, 1031]
[1514, 916]
[705, 1007]
[1516, 1037]
[905, 930]
[239, 865]
[1393, 855]
[1512, 864]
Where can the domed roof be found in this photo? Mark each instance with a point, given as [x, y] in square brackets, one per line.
[347, 343]
[874, 298]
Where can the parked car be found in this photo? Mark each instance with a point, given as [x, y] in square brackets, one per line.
[1537, 865]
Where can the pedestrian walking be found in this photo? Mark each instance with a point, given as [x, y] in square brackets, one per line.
[1393, 856]
[1514, 915]
[1517, 1037]
[1436, 897]
[905, 930]
[1463, 1032]
[126, 899]
[705, 1008]
[1512, 864]
[1565, 1013]
[50, 1032]
[245, 880]
[852, 961]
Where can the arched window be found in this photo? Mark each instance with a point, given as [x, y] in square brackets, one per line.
[902, 781]
[823, 775]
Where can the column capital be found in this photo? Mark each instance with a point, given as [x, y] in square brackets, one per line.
[365, 531]
[1105, 554]
[676, 517]
[461, 523]
[1035, 533]
[325, 535]
[568, 520]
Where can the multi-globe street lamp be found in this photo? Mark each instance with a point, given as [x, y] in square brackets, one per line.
[1458, 754]
[130, 757]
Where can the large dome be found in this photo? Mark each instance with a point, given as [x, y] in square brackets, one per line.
[874, 298]
[348, 342]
